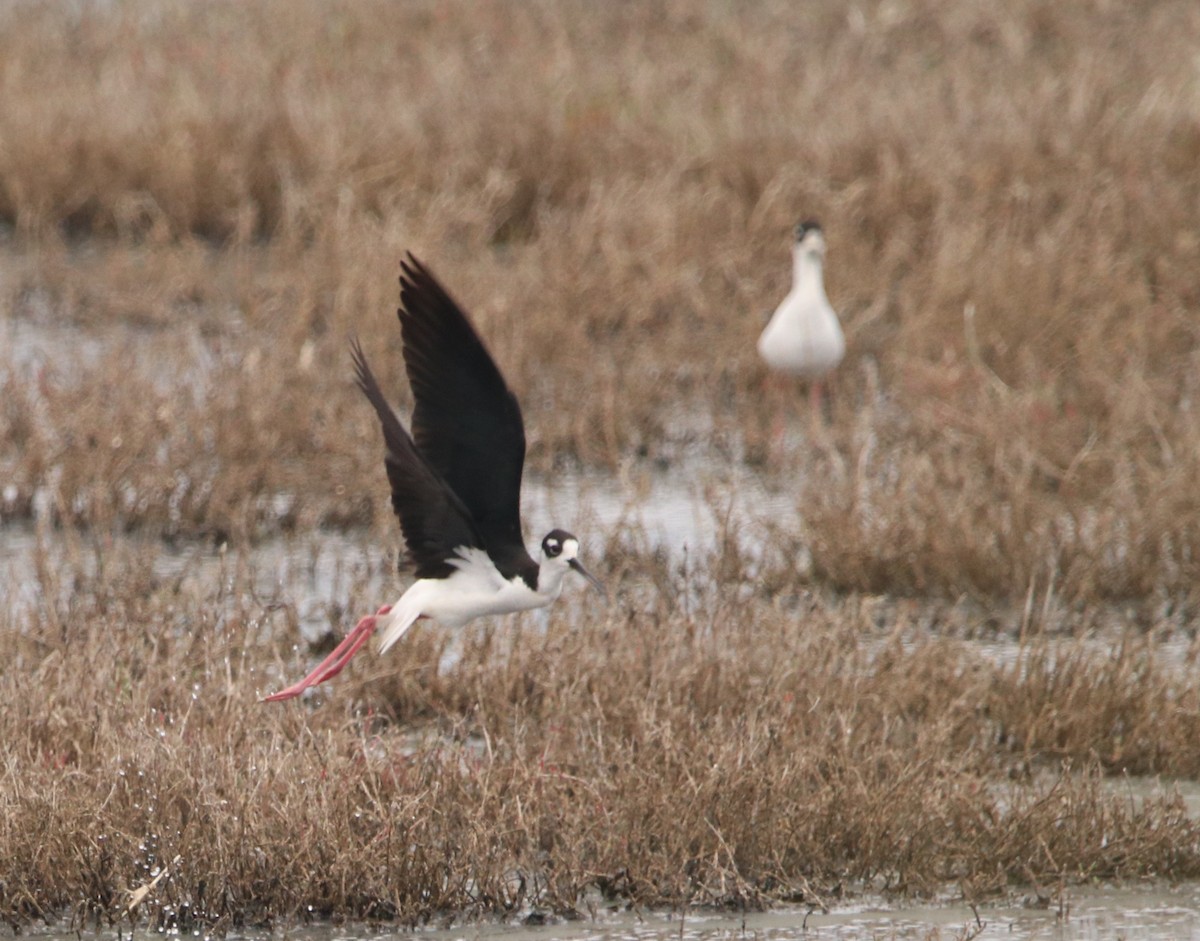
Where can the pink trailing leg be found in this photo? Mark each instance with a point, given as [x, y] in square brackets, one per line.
[332, 665]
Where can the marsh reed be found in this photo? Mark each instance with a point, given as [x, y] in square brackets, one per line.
[199, 204]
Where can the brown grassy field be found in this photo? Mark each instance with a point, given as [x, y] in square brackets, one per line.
[200, 204]
[739, 752]
[611, 192]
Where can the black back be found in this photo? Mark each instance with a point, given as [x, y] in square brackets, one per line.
[466, 422]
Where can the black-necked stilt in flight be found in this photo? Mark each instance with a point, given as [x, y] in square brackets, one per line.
[804, 337]
[456, 482]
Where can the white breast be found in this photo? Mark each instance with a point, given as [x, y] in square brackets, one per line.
[804, 337]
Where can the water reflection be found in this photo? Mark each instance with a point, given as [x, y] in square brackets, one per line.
[1152, 912]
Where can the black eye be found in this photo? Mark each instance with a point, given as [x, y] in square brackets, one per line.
[552, 547]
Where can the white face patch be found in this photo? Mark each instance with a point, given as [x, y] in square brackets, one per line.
[565, 550]
[813, 241]
[559, 547]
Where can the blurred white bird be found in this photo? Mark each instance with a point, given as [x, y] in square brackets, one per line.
[804, 338]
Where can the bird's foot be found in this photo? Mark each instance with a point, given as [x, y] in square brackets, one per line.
[332, 665]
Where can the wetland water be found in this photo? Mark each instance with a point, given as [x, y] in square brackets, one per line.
[1132, 913]
[319, 572]
[1103, 914]
[314, 568]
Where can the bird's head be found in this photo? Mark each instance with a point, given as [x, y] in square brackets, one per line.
[809, 237]
[560, 551]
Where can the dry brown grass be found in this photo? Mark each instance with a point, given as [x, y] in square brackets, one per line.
[729, 755]
[610, 191]
[201, 203]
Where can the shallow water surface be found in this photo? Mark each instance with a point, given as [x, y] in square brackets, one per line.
[312, 569]
[1151, 912]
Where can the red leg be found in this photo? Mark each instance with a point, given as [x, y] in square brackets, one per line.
[821, 404]
[332, 665]
[779, 392]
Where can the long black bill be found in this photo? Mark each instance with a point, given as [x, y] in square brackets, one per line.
[596, 583]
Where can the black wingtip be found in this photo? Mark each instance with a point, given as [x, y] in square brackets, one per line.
[369, 385]
[361, 369]
[412, 271]
[418, 287]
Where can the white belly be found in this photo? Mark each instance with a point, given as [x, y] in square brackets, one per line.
[475, 590]
[803, 338]
[447, 604]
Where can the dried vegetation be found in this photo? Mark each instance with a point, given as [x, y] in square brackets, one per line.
[733, 750]
[200, 203]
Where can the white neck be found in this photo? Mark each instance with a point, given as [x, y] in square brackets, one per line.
[806, 270]
[550, 579]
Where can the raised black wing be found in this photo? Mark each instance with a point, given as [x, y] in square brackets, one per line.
[432, 518]
[466, 421]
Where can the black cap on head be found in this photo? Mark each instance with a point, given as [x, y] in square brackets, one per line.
[552, 545]
[803, 228]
